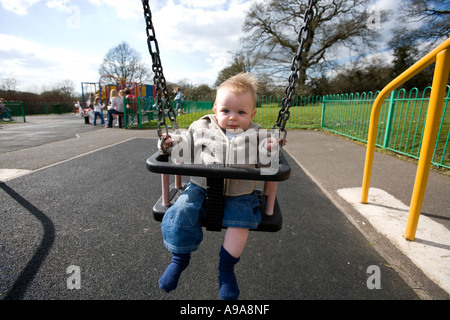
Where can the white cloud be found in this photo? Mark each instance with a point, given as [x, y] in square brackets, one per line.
[195, 37]
[387, 4]
[59, 5]
[203, 3]
[36, 64]
[125, 9]
[198, 28]
[19, 7]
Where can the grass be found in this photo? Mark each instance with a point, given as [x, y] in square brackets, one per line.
[351, 119]
[266, 115]
[405, 133]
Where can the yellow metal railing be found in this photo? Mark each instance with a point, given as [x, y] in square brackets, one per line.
[440, 55]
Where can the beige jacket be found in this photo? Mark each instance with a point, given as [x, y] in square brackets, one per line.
[206, 143]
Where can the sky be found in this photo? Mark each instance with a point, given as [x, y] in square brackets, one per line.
[44, 42]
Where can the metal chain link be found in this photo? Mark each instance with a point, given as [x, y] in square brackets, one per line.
[297, 61]
[159, 79]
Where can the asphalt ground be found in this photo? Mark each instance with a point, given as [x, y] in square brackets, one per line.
[87, 200]
[336, 165]
[39, 130]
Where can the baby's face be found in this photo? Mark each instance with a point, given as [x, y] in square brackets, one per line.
[234, 111]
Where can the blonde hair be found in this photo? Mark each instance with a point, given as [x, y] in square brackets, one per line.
[113, 93]
[242, 83]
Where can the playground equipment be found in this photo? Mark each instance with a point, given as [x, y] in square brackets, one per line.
[102, 89]
[136, 89]
[440, 55]
[216, 173]
[88, 89]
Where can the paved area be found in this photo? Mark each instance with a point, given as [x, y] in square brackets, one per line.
[336, 165]
[84, 201]
[39, 130]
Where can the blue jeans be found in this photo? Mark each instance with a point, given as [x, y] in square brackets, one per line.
[98, 114]
[182, 223]
[110, 120]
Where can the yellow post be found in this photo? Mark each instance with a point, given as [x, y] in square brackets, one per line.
[373, 124]
[371, 139]
[438, 88]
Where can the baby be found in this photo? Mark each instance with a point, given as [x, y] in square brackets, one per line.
[214, 137]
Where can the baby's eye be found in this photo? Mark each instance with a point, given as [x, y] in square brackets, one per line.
[242, 112]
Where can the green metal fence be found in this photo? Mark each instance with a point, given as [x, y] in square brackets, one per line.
[401, 122]
[142, 112]
[304, 113]
[400, 129]
[14, 112]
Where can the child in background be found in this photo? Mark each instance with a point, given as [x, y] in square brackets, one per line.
[98, 111]
[178, 100]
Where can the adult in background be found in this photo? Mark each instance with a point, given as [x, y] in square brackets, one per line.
[116, 107]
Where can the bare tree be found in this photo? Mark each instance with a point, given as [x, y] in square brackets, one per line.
[425, 22]
[272, 34]
[67, 88]
[8, 84]
[124, 62]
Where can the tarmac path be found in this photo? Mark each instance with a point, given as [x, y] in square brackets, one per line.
[84, 201]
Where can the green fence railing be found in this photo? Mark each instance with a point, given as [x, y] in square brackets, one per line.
[304, 113]
[400, 129]
[401, 122]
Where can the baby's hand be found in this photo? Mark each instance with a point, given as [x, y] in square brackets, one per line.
[271, 143]
[167, 142]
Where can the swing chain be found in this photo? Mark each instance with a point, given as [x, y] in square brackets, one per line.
[159, 79]
[297, 61]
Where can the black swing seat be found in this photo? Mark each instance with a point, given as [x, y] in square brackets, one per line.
[268, 223]
[215, 175]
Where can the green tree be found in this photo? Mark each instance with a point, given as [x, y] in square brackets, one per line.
[238, 64]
